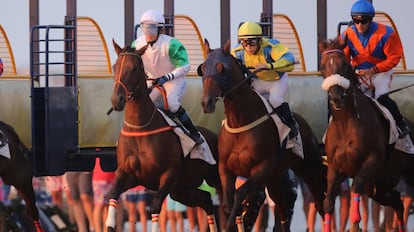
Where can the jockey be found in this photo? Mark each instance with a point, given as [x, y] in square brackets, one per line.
[166, 64]
[374, 50]
[273, 56]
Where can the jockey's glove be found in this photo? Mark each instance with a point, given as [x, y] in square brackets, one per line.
[160, 80]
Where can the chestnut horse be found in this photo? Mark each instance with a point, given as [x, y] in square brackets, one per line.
[17, 169]
[357, 141]
[149, 152]
[254, 150]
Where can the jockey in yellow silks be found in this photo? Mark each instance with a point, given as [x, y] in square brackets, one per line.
[276, 59]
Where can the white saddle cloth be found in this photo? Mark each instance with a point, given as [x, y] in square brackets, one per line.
[201, 151]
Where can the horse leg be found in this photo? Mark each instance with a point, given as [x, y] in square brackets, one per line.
[235, 214]
[227, 181]
[334, 184]
[123, 182]
[284, 194]
[196, 198]
[27, 192]
[391, 198]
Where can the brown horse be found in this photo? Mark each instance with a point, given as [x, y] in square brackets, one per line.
[149, 152]
[17, 171]
[253, 151]
[357, 141]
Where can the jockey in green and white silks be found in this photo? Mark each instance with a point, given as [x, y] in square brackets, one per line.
[166, 63]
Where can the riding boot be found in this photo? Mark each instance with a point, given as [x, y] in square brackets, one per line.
[188, 124]
[403, 128]
[287, 118]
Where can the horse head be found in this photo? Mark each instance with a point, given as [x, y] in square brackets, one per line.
[129, 76]
[217, 72]
[338, 74]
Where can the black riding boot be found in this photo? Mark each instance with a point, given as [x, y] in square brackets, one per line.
[287, 118]
[186, 121]
[386, 101]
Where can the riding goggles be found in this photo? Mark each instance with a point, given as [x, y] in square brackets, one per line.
[249, 42]
[363, 20]
[149, 29]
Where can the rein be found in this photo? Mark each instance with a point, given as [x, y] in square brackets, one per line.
[248, 75]
[131, 95]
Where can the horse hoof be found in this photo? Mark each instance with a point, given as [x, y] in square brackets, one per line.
[110, 229]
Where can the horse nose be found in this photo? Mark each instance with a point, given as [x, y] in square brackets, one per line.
[208, 104]
[118, 102]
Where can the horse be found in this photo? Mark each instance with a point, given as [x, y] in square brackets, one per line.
[17, 171]
[251, 147]
[149, 152]
[357, 140]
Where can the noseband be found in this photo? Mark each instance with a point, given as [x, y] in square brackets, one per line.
[129, 93]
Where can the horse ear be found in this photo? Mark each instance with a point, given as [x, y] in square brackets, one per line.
[322, 45]
[206, 46]
[142, 50]
[342, 42]
[200, 70]
[226, 47]
[116, 47]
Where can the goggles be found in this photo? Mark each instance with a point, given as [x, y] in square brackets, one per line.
[362, 20]
[149, 29]
[249, 42]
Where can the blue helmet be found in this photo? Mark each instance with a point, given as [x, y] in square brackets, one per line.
[363, 8]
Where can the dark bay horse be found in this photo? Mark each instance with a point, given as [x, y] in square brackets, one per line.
[357, 141]
[17, 171]
[253, 150]
[149, 152]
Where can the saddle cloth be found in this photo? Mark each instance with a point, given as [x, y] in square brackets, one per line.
[295, 143]
[403, 144]
[201, 151]
[5, 151]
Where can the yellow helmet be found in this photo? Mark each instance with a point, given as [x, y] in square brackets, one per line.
[249, 30]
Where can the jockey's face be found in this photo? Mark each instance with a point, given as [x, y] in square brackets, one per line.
[251, 46]
[150, 31]
[361, 23]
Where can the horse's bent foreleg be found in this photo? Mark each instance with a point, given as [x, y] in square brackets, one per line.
[235, 215]
[391, 198]
[227, 180]
[197, 198]
[167, 181]
[284, 194]
[334, 184]
[26, 191]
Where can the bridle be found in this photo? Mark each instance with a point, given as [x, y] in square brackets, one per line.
[130, 94]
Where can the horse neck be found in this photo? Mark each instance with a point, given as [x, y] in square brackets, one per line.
[357, 107]
[139, 111]
[242, 105]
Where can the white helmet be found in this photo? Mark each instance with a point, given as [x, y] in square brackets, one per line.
[152, 16]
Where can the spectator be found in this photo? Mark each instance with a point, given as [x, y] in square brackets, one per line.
[136, 200]
[80, 185]
[175, 217]
[58, 188]
[102, 183]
